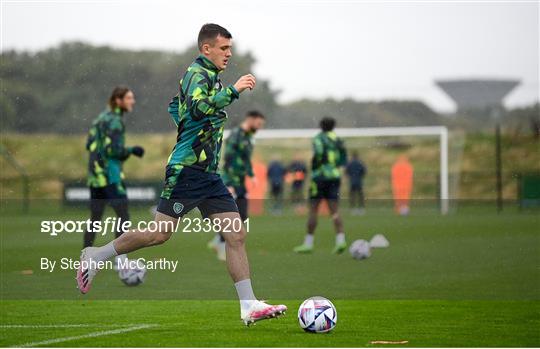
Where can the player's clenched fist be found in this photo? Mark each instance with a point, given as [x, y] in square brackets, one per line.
[246, 81]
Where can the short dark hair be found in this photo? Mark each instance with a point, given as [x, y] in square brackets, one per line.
[210, 31]
[327, 123]
[118, 92]
[254, 114]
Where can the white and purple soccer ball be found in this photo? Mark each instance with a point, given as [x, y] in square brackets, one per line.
[133, 276]
[317, 315]
[360, 249]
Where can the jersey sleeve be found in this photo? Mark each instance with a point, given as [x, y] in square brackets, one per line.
[342, 153]
[249, 166]
[173, 109]
[318, 152]
[231, 148]
[246, 156]
[114, 141]
[199, 102]
[227, 173]
[90, 139]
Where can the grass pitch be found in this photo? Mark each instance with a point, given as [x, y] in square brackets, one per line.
[467, 279]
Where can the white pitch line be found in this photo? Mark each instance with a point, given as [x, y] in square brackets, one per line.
[65, 325]
[88, 335]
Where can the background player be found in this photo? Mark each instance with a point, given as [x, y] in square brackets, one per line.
[276, 175]
[298, 172]
[107, 152]
[328, 155]
[356, 171]
[238, 151]
[191, 179]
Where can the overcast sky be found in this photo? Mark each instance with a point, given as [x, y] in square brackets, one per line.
[365, 50]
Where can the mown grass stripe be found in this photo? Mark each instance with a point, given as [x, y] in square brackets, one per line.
[84, 336]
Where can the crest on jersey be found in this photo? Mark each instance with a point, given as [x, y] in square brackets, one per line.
[177, 207]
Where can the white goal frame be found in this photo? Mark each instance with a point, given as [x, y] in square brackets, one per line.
[438, 131]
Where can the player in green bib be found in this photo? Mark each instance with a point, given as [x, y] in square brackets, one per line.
[329, 155]
[237, 166]
[107, 153]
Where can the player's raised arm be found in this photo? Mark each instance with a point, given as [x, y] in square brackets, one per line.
[200, 104]
[246, 81]
[198, 101]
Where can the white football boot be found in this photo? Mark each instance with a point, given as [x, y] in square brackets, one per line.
[261, 311]
[86, 275]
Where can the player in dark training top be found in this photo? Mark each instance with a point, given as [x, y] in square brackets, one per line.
[237, 166]
[328, 156]
[190, 176]
[107, 153]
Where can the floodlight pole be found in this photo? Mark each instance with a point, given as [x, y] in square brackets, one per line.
[498, 163]
[444, 170]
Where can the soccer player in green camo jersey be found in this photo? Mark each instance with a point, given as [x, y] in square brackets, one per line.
[190, 177]
[107, 153]
[238, 150]
[329, 155]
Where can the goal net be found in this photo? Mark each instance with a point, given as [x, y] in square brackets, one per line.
[426, 148]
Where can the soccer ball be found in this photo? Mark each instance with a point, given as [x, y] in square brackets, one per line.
[317, 315]
[360, 249]
[132, 277]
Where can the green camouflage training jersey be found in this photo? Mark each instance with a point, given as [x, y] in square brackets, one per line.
[238, 150]
[197, 111]
[328, 155]
[105, 143]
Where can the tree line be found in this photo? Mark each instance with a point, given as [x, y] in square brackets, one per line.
[62, 89]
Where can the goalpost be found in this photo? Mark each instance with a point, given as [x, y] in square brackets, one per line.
[439, 131]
